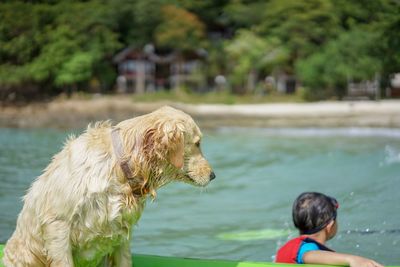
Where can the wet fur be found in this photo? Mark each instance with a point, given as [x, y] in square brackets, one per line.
[81, 210]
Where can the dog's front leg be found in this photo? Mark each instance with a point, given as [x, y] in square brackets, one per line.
[121, 256]
[57, 243]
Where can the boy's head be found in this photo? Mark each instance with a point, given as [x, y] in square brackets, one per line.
[313, 211]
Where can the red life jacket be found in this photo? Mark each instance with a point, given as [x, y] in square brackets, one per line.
[289, 252]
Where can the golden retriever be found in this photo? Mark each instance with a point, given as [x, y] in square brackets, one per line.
[80, 211]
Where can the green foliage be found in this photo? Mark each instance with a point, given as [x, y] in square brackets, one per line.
[77, 68]
[138, 19]
[301, 26]
[59, 43]
[390, 40]
[179, 29]
[56, 45]
[251, 53]
[243, 14]
[210, 12]
[350, 57]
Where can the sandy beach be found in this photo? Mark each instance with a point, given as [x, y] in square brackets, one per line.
[77, 113]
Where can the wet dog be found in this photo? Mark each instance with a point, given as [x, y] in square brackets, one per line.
[81, 210]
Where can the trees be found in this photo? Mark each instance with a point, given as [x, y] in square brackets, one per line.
[365, 46]
[179, 29]
[54, 45]
[60, 45]
[349, 57]
[390, 42]
[301, 26]
[251, 54]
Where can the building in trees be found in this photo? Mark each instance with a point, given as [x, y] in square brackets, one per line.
[147, 70]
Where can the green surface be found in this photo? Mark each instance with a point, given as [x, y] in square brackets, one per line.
[157, 261]
[1, 254]
[160, 261]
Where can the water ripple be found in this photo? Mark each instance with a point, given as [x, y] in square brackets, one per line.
[319, 132]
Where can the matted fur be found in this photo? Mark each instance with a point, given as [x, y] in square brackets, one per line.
[80, 211]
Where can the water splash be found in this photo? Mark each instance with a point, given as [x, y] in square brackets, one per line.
[368, 231]
[392, 156]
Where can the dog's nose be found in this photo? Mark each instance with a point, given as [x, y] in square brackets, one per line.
[212, 176]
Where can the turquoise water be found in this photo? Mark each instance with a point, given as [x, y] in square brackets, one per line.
[245, 214]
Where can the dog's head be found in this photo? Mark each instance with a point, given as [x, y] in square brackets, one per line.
[166, 147]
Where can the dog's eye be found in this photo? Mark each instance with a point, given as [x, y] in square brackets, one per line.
[197, 143]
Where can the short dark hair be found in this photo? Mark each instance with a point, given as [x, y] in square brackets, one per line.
[312, 211]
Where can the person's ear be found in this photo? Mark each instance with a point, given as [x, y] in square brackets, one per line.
[330, 225]
[331, 229]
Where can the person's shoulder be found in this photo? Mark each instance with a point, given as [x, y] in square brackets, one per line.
[294, 242]
[288, 252]
[309, 246]
[306, 247]
[320, 246]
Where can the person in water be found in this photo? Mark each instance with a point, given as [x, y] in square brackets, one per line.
[314, 214]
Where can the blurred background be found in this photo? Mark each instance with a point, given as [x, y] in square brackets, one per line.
[65, 63]
[303, 50]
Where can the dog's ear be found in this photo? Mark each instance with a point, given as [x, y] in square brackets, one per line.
[174, 141]
[166, 141]
[176, 154]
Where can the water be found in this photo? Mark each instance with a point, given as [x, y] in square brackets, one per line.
[259, 174]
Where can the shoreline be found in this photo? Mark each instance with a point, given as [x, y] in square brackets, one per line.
[78, 113]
